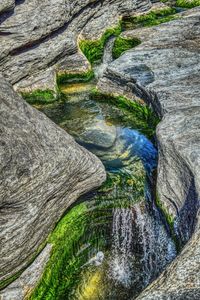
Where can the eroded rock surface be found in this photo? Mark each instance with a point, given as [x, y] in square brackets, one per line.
[42, 171]
[165, 71]
[40, 35]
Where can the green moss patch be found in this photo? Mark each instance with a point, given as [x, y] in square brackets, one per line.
[170, 221]
[151, 19]
[137, 115]
[63, 268]
[93, 50]
[82, 229]
[63, 78]
[40, 97]
[169, 218]
[123, 44]
[188, 4]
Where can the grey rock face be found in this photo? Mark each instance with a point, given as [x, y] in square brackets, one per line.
[24, 285]
[39, 35]
[164, 71]
[6, 5]
[42, 172]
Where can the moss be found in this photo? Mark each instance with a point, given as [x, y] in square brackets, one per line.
[188, 4]
[94, 49]
[63, 78]
[169, 218]
[40, 97]
[151, 19]
[123, 44]
[170, 221]
[63, 268]
[137, 115]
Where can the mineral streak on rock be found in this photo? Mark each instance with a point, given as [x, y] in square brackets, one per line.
[42, 171]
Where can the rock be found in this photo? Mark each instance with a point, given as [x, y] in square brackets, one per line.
[99, 134]
[41, 36]
[6, 5]
[164, 71]
[43, 171]
[24, 285]
[180, 281]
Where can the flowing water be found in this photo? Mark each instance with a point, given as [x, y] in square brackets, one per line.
[123, 244]
[107, 58]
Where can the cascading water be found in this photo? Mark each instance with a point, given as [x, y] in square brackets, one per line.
[121, 266]
[107, 57]
[157, 248]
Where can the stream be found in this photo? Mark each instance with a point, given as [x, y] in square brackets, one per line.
[124, 244]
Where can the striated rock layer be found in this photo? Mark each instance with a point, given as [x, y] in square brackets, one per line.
[165, 71]
[42, 172]
[39, 38]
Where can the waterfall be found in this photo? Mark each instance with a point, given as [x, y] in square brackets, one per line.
[107, 57]
[140, 245]
[157, 247]
[121, 254]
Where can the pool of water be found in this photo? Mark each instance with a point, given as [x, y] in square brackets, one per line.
[124, 245]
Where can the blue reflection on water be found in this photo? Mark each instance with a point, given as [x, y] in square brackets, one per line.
[140, 147]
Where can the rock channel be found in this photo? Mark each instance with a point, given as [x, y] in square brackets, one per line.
[43, 170]
[165, 71]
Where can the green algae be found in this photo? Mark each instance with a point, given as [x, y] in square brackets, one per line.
[136, 115]
[188, 4]
[39, 96]
[123, 44]
[94, 49]
[152, 18]
[63, 266]
[73, 243]
[63, 78]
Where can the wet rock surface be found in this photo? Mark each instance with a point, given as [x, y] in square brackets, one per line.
[43, 171]
[171, 85]
[38, 35]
